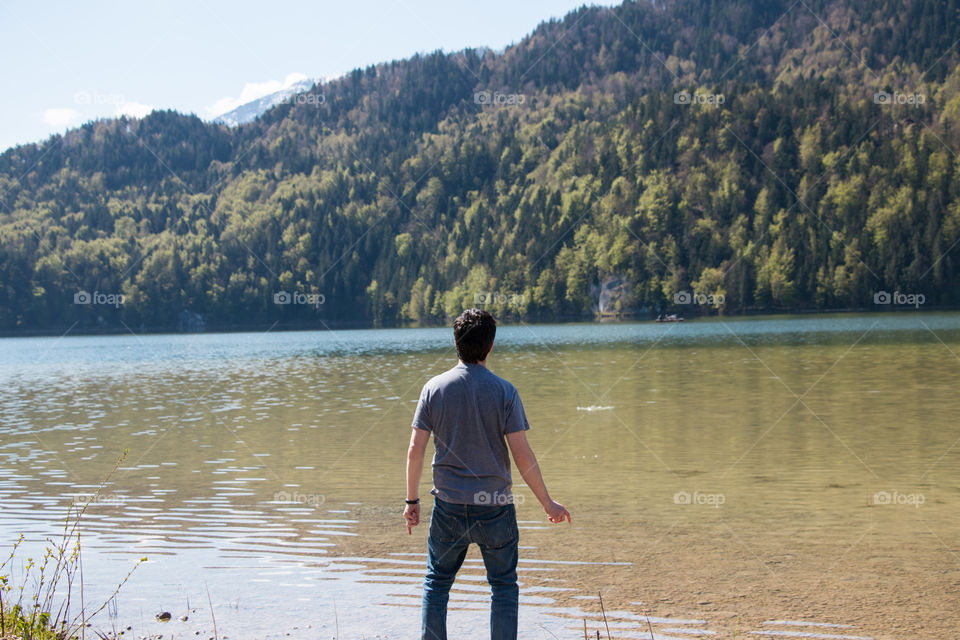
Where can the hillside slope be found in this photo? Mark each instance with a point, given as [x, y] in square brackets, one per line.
[772, 155]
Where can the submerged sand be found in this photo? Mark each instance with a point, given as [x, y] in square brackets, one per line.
[736, 579]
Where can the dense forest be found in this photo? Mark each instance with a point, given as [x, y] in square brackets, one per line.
[700, 156]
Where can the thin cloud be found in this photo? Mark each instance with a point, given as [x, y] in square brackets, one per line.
[61, 117]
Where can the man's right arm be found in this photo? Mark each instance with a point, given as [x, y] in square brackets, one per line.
[526, 462]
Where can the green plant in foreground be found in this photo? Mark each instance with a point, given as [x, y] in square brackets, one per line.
[43, 611]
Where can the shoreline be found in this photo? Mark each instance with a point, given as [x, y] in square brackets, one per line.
[348, 325]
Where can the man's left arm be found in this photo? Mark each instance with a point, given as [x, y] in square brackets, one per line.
[415, 453]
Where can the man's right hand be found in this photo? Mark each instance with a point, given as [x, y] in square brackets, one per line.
[412, 517]
[556, 512]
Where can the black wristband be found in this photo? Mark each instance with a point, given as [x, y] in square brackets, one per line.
[417, 501]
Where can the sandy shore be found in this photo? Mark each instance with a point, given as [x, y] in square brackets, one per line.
[732, 577]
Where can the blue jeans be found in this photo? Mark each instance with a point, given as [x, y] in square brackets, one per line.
[452, 528]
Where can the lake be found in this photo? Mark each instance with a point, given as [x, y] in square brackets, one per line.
[772, 476]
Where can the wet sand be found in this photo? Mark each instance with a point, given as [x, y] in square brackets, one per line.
[733, 579]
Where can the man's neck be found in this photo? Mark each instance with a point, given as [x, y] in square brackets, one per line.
[482, 363]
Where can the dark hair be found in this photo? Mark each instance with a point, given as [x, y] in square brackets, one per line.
[473, 333]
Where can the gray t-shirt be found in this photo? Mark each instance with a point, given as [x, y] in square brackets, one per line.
[469, 409]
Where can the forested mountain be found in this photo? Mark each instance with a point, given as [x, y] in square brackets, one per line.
[776, 155]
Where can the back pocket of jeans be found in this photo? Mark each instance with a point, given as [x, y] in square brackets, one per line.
[443, 526]
[500, 530]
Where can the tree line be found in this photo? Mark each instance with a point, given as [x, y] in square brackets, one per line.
[760, 155]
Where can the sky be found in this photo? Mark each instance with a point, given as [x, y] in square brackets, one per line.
[65, 63]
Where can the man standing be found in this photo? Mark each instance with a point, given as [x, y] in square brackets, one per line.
[474, 416]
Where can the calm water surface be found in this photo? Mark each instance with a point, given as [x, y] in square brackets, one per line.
[269, 467]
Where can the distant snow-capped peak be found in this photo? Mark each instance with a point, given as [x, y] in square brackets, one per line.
[253, 109]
